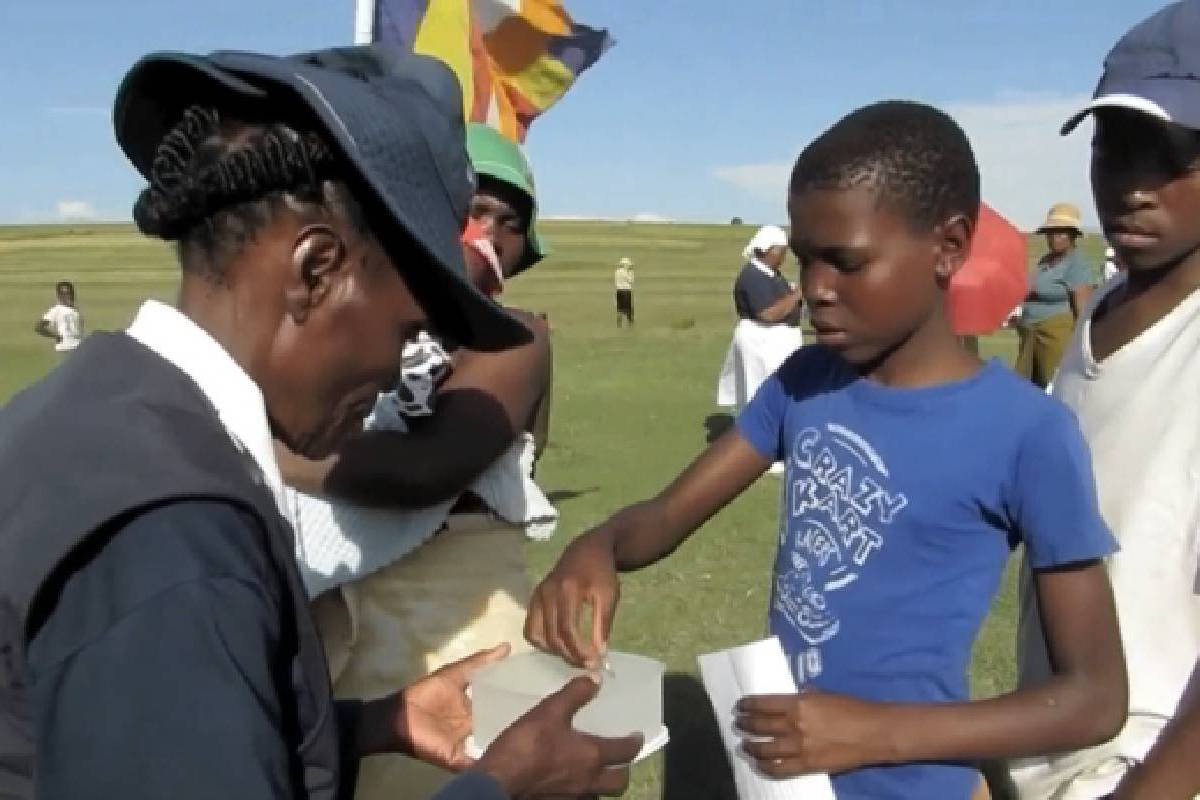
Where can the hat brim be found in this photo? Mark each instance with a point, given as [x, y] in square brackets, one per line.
[1129, 102]
[161, 86]
[158, 89]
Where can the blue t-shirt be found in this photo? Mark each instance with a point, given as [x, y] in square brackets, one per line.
[900, 507]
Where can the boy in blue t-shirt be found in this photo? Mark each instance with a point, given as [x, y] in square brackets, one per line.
[912, 470]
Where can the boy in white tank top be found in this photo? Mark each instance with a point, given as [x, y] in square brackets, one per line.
[1132, 375]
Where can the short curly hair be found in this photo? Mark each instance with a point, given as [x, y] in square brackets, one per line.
[915, 156]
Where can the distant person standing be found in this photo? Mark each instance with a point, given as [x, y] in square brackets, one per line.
[1059, 289]
[623, 278]
[768, 309]
[63, 323]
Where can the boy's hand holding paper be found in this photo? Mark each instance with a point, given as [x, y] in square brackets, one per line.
[796, 734]
[759, 671]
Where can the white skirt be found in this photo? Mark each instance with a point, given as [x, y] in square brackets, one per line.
[757, 350]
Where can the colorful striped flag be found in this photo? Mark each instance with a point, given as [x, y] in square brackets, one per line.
[514, 58]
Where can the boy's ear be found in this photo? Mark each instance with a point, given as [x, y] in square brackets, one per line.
[318, 257]
[954, 243]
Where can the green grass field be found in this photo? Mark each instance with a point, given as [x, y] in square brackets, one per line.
[631, 408]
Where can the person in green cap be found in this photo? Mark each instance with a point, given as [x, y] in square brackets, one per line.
[505, 201]
[412, 536]
[505, 204]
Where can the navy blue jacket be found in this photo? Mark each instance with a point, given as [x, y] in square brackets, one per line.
[155, 639]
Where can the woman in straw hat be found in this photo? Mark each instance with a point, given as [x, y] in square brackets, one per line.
[1060, 288]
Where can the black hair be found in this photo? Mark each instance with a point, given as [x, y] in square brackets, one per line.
[216, 180]
[917, 158]
[61, 285]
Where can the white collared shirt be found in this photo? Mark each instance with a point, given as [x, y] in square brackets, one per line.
[67, 323]
[235, 396]
[763, 268]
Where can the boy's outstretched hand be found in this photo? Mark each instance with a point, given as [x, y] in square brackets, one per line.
[586, 574]
[797, 734]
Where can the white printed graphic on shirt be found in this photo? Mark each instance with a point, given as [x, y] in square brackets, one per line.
[837, 508]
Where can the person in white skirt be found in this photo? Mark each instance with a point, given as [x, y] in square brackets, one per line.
[768, 309]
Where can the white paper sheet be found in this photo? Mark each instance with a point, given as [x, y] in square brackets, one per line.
[756, 668]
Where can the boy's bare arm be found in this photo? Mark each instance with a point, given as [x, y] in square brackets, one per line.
[634, 537]
[482, 406]
[1083, 703]
[1171, 770]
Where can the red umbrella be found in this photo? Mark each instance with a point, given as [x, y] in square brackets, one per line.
[993, 280]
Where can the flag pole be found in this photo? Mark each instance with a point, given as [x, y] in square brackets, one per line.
[364, 21]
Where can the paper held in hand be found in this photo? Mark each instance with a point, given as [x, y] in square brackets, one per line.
[756, 668]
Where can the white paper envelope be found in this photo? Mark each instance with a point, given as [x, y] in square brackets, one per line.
[756, 668]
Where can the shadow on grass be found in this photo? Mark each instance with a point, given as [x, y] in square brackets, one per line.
[716, 425]
[694, 766]
[562, 495]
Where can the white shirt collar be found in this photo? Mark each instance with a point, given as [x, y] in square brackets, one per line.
[763, 268]
[236, 398]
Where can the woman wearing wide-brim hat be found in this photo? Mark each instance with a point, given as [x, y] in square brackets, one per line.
[1059, 289]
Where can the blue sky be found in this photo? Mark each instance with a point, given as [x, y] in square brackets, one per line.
[695, 114]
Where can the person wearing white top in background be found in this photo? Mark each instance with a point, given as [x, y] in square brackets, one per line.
[1132, 376]
[63, 323]
[623, 281]
[768, 307]
[1112, 265]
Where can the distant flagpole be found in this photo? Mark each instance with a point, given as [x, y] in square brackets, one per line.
[364, 21]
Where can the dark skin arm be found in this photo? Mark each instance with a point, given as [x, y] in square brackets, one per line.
[487, 400]
[1170, 770]
[42, 328]
[781, 309]
[639, 535]
[1079, 298]
[1082, 704]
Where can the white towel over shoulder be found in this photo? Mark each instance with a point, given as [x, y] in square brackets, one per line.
[338, 542]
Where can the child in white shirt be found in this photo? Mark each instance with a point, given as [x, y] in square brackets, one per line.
[63, 323]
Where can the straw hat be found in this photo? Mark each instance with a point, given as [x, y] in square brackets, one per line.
[1063, 216]
[625, 262]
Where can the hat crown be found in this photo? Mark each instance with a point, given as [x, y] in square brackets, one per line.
[495, 155]
[1164, 45]
[395, 117]
[1063, 215]
[1065, 210]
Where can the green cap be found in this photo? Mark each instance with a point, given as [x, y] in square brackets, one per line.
[500, 158]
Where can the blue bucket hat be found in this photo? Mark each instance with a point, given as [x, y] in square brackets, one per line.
[1154, 69]
[396, 119]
